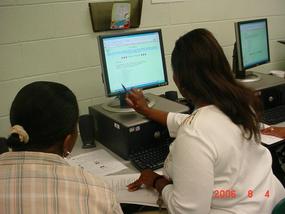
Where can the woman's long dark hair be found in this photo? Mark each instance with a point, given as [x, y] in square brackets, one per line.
[48, 111]
[201, 68]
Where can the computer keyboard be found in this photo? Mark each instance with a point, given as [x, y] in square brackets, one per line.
[150, 158]
[274, 115]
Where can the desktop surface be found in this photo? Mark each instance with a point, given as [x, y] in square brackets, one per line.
[130, 119]
[78, 150]
[266, 81]
[130, 170]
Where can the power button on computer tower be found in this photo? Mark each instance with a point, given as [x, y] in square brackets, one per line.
[157, 134]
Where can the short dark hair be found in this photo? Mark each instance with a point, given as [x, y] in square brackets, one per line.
[201, 68]
[48, 111]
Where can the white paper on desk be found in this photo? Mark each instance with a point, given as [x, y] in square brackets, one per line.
[143, 196]
[269, 139]
[98, 162]
[264, 125]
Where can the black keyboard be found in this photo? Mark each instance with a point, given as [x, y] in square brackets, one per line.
[150, 158]
[274, 115]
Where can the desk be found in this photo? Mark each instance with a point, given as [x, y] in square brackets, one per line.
[280, 124]
[266, 81]
[77, 150]
[128, 208]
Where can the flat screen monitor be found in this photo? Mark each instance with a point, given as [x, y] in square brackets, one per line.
[133, 60]
[251, 48]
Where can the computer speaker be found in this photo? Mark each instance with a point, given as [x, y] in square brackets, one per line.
[87, 130]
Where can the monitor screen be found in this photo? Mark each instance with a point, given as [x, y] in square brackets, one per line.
[133, 59]
[252, 43]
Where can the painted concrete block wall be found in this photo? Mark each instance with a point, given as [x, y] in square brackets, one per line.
[53, 40]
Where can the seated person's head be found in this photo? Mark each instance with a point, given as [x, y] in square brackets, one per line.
[44, 118]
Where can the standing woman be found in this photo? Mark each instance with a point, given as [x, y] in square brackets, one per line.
[34, 177]
[216, 163]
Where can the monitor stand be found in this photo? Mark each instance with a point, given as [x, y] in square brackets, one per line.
[242, 75]
[249, 77]
[120, 105]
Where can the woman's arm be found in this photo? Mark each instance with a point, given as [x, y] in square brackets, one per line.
[137, 101]
[193, 176]
[274, 131]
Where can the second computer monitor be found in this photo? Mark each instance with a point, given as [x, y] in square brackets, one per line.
[133, 60]
[252, 46]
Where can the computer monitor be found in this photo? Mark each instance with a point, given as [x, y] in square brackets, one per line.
[132, 60]
[251, 48]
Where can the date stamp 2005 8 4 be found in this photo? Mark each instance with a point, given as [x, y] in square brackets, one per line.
[230, 193]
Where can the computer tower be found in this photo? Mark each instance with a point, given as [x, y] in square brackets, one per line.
[127, 132]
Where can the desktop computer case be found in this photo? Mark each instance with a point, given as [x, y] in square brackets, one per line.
[125, 133]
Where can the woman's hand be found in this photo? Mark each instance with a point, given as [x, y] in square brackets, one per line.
[147, 177]
[274, 131]
[137, 101]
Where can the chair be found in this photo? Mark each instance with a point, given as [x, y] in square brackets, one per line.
[279, 208]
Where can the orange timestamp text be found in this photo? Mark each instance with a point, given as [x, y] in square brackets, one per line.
[224, 193]
[230, 193]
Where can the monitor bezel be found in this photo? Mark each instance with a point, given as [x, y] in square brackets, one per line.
[105, 78]
[241, 65]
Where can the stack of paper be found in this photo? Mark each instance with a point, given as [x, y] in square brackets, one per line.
[98, 162]
[143, 196]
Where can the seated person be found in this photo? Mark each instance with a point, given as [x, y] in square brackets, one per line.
[274, 131]
[216, 163]
[34, 177]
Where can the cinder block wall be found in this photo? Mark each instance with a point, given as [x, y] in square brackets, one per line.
[53, 40]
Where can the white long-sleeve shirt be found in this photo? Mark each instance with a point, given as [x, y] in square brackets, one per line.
[215, 169]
